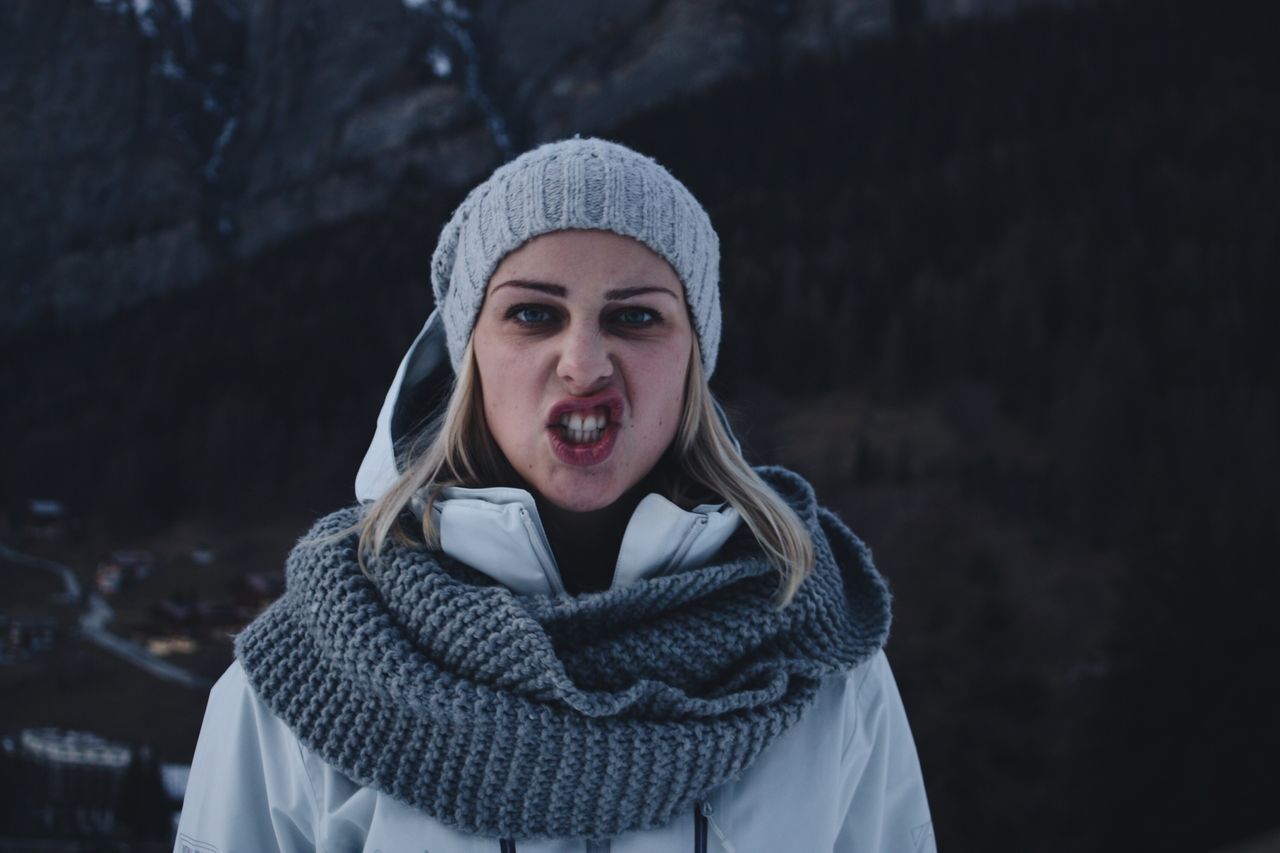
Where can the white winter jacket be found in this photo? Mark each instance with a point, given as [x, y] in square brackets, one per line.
[844, 778]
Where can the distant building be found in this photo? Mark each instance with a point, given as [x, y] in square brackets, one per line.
[193, 618]
[171, 645]
[171, 616]
[71, 779]
[122, 569]
[175, 778]
[45, 518]
[21, 638]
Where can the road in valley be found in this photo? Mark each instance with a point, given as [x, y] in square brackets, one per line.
[95, 618]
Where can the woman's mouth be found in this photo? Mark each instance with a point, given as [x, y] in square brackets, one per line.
[584, 438]
[584, 427]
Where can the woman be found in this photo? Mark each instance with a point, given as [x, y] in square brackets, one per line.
[566, 615]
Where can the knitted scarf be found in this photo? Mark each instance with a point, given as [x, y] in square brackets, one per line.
[541, 716]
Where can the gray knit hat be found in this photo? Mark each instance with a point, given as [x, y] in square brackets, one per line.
[576, 183]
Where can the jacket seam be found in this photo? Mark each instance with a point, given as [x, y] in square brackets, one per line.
[542, 550]
[676, 563]
[315, 798]
[859, 707]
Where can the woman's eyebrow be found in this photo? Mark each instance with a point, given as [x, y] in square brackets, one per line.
[540, 286]
[628, 292]
[561, 291]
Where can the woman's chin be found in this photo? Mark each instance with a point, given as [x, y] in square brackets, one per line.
[578, 491]
[580, 501]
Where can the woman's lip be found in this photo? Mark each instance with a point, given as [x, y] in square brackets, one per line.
[583, 455]
[611, 400]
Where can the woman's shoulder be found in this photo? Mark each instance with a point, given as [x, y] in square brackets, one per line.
[853, 698]
[236, 708]
[248, 780]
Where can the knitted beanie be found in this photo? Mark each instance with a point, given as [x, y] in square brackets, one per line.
[576, 183]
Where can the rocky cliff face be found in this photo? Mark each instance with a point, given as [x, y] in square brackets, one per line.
[147, 145]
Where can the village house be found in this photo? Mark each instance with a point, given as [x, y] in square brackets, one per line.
[20, 638]
[121, 570]
[78, 784]
[71, 778]
[194, 618]
[47, 519]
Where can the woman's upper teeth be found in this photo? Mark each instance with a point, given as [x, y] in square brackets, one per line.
[587, 420]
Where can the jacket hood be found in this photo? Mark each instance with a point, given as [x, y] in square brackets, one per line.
[420, 388]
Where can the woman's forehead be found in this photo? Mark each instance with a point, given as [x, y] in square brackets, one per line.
[578, 263]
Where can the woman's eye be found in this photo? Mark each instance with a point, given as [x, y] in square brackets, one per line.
[637, 317]
[529, 315]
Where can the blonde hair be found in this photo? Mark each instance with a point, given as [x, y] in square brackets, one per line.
[457, 449]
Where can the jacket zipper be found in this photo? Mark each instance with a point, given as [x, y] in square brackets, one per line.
[702, 819]
[686, 544]
[540, 544]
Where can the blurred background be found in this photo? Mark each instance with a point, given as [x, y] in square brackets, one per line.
[998, 278]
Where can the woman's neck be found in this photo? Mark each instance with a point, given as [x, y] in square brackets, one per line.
[586, 544]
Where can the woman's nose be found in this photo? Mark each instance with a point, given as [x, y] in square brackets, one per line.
[585, 360]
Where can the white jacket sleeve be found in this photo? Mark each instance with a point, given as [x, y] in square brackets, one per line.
[887, 808]
[248, 788]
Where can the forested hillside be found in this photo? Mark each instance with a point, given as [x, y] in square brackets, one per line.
[1044, 249]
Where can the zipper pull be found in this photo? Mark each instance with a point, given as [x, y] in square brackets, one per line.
[705, 808]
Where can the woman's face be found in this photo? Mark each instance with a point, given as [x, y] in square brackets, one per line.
[582, 345]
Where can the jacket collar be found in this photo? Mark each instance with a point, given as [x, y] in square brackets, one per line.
[498, 531]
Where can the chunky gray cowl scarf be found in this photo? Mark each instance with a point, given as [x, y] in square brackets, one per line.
[538, 716]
